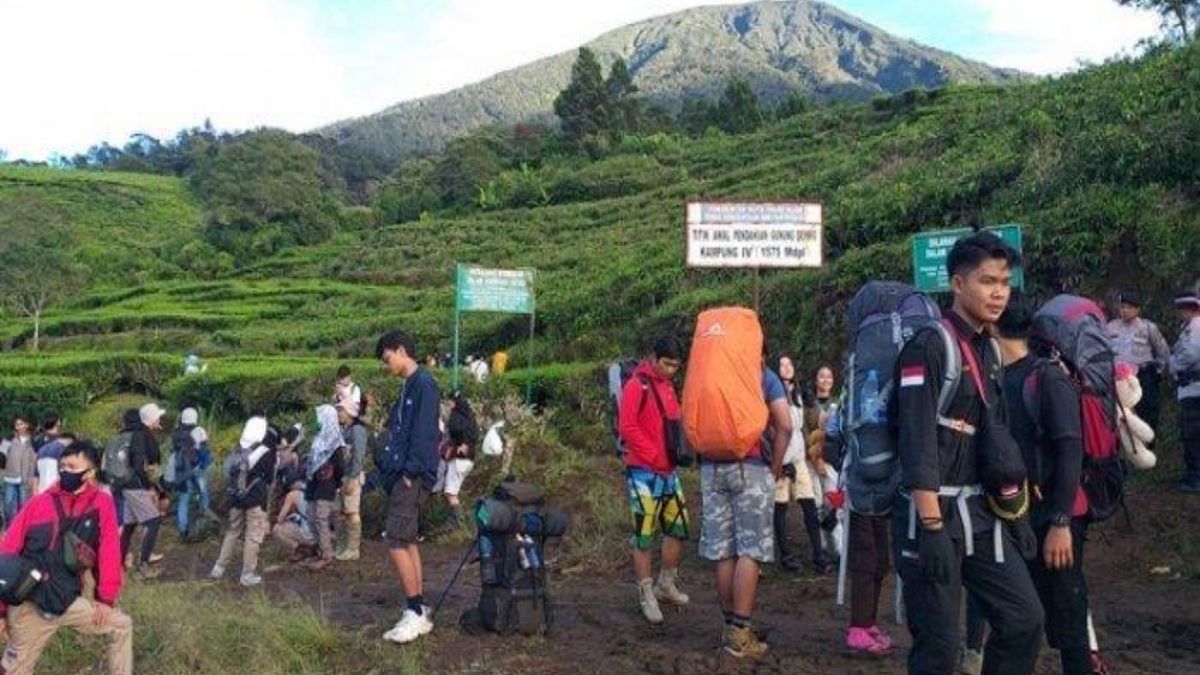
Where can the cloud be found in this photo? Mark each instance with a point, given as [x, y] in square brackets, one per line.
[1054, 36]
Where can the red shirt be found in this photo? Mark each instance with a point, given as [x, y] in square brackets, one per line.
[640, 422]
[34, 532]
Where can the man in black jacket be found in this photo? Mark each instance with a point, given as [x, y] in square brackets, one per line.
[408, 466]
[944, 535]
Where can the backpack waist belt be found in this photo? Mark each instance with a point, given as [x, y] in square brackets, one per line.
[961, 426]
[960, 494]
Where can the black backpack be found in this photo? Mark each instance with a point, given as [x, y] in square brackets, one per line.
[619, 373]
[514, 524]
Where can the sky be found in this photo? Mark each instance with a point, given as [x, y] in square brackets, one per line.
[78, 72]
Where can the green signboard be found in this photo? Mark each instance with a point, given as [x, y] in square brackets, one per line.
[930, 249]
[486, 290]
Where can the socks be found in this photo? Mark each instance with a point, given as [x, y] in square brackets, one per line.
[416, 604]
[736, 621]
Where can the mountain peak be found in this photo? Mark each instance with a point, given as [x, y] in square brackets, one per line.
[778, 47]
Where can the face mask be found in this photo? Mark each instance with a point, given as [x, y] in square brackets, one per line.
[71, 481]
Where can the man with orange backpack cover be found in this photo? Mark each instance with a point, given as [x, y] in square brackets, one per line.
[729, 397]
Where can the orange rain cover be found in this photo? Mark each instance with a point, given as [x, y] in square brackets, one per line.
[724, 415]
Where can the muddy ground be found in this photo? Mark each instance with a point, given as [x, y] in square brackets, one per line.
[1144, 595]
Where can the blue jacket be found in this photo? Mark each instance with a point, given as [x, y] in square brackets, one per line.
[413, 433]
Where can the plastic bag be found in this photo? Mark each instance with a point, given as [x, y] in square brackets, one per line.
[493, 442]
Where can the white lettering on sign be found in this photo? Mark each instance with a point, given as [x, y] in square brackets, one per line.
[730, 234]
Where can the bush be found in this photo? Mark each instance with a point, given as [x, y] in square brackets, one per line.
[36, 395]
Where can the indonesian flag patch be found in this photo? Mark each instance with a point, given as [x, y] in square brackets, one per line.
[912, 376]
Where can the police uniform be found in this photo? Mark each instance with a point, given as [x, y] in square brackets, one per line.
[938, 453]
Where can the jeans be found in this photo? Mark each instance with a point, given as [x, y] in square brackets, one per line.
[15, 496]
[195, 483]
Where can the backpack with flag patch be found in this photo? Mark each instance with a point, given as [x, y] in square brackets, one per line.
[883, 316]
[1072, 329]
[724, 414]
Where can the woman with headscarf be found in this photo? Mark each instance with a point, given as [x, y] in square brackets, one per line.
[249, 471]
[325, 467]
[139, 493]
[458, 453]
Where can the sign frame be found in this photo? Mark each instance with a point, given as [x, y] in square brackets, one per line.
[1012, 234]
[804, 204]
[461, 272]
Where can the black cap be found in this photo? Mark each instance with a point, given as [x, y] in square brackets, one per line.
[1187, 299]
[1132, 298]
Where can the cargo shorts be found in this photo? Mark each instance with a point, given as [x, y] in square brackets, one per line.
[737, 511]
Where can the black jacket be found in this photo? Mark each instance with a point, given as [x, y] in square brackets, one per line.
[143, 451]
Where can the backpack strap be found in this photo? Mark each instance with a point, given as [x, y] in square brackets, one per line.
[951, 377]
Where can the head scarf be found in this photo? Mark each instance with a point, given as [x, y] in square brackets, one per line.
[327, 440]
[254, 432]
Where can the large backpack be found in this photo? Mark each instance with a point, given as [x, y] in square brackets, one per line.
[115, 463]
[724, 414]
[513, 525]
[619, 373]
[883, 316]
[1072, 328]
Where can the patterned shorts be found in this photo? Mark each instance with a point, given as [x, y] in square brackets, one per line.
[738, 509]
[657, 504]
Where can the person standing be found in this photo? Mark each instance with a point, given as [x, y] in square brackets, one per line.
[249, 471]
[799, 483]
[943, 530]
[458, 454]
[59, 602]
[356, 437]
[408, 470]
[1139, 342]
[192, 457]
[1185, 368]
[139, 494]
[20, 465]
[646, 415]
[325, 467]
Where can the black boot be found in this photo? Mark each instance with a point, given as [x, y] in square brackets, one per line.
[787, 559]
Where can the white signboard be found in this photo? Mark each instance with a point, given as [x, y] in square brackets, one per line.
[728, 234]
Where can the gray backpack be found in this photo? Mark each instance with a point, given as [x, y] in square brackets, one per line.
[115, 463]
[883, 316]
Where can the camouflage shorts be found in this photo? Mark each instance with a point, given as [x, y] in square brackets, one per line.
[738, 507]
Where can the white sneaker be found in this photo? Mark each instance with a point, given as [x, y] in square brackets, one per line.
[667, 588]
[410, 627]
[217, 572]
[648, 603]
[250, 579]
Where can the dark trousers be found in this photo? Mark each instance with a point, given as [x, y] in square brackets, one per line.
[1004, 592]
[783, 545]
[1148, 408]
[1064, 596]
[148, 538]
[1189, 437]
[867, 565]
[812, 525]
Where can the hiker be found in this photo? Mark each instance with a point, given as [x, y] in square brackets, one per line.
[356, 438]
[408, 469]
[192, 457]
[249, 470]
[293, 528]
[648, 421]
[48, 456]
[79, 506]
[324, 468]
[1185, 368]
[798, 482]
[345, 389]
[500, 363]
[1051, 441]
[51, 429]
[943, 531]
[139, 494]
[1139, 342]
[20, 464]
[458, 454]
[287, 456]
[737, 482]
[478, 368]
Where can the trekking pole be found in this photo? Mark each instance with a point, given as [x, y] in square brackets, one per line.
[461, 563]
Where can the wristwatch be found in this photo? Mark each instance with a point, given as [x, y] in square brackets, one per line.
[1060, 520]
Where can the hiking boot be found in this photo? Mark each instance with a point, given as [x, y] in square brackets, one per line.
[970, 662]
[1099, 667]
[410, 627]
[667, 588]
[129, 561]
[860, 641]
[155, 558]
[217, 572]
[741, 642]
[146, 572]
[648, 602]
[249, 579]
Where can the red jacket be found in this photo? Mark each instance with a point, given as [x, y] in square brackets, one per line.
[641, 424]
[34, 534]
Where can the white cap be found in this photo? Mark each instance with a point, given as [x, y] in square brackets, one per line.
[150, 413]
[189, 416]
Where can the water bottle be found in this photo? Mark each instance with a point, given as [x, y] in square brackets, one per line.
[535, 561]
[487, 562]
[871, 411]
[522, 554]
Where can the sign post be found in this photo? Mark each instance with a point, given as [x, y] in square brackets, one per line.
[754, 235]
[930, 250]
[478, 289]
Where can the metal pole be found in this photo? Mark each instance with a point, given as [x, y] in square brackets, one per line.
[457, 320]
[529, 380]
